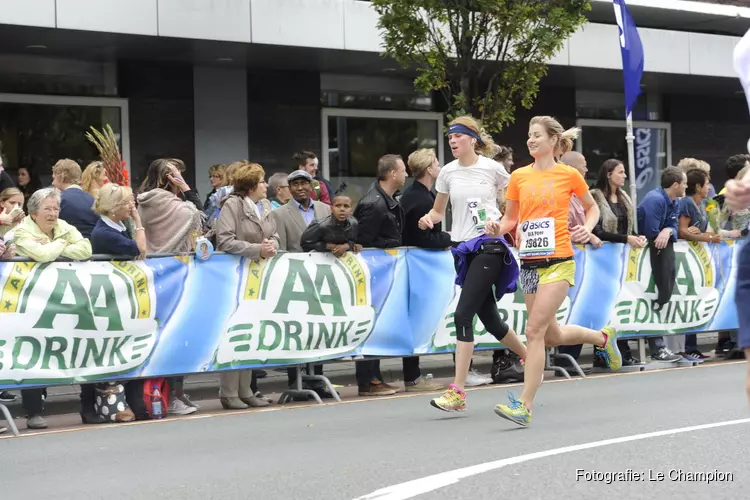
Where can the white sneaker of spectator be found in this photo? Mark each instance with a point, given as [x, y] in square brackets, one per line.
[475, 379]
[177, 407]
[186, 399]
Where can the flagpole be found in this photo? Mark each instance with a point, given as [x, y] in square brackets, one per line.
[630, 138]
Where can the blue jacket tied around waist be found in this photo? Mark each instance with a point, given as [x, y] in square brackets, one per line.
[507, 279]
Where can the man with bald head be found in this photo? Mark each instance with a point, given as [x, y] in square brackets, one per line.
[577, 214]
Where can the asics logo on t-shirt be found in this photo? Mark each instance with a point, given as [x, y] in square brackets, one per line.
[533, 226]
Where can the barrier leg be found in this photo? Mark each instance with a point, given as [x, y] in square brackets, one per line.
[642, 349]
[9, 419]
[551, 364]
[324, 379]
[572, 361]
[290, 394]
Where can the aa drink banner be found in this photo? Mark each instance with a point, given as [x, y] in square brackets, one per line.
[63, 323]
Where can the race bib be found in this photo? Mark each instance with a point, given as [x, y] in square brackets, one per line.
[480, 213]
[537, 237]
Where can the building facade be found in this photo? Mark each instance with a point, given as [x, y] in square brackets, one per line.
[213, 81]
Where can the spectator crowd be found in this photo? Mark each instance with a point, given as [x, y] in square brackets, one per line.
[83, 214]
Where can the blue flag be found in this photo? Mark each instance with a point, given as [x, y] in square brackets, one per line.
[632, 54]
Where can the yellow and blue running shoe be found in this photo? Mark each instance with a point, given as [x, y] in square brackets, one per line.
[610, 353]
[515, 411]
[454, 399]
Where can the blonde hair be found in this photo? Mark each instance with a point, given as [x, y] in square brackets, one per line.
[420, 160]
[111, 197]
[246, 177]
[9, 193]
[220, 170]
[687, 164]
[68, 171]
[90, 177]
[553, 128]
[231, 169]
[487, 146]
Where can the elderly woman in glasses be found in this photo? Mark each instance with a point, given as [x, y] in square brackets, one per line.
[44, 237]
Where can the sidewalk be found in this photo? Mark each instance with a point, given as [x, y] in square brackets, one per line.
[204, 388]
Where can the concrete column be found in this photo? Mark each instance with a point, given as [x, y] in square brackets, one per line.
[220, 120]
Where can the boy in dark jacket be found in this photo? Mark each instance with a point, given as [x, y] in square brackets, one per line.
[336, 233]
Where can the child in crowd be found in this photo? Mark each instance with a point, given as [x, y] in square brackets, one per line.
[336, 233]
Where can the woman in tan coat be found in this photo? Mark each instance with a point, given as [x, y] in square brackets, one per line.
[245, 227]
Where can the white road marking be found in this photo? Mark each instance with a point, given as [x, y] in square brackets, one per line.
[411, 489]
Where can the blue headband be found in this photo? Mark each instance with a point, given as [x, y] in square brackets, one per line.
[463, 129]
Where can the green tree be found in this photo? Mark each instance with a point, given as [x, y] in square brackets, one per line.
[485, 56]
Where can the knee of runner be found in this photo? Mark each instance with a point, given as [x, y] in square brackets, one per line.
[464, 326]
[534, 334]
[500, 332]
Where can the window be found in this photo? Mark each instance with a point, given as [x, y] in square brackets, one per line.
[36, 131]
[354, 140]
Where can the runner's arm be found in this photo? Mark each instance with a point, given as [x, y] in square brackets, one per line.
[592, 211]
[437, 214]
[509, 220]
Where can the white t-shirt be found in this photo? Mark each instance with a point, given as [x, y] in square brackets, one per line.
[473, 194]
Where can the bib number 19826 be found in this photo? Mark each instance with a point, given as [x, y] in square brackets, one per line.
[537, 237]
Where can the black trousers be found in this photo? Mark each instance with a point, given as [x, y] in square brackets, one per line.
[367, 371]
[663, 270]
[33, 401]
[478, 298]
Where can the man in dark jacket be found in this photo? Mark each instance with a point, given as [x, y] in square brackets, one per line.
[381, 220]
[76, 205]
[379, 215]
[416, 201]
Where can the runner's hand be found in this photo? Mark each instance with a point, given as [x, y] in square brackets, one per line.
[595, 242]
[581, 234]
[693, 230]
[492, 228]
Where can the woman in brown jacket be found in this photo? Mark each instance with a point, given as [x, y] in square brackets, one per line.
[245, 227]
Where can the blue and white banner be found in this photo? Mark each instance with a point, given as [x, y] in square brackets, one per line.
[63, 323]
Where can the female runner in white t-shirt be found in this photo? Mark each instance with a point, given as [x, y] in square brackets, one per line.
[471, 182]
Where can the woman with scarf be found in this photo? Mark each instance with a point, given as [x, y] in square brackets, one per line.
[172, 223]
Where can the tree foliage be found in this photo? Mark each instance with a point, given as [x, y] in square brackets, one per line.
[486, 57]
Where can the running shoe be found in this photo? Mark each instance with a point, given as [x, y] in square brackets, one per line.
[610, 353]
[515, 411]
[454, 399]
